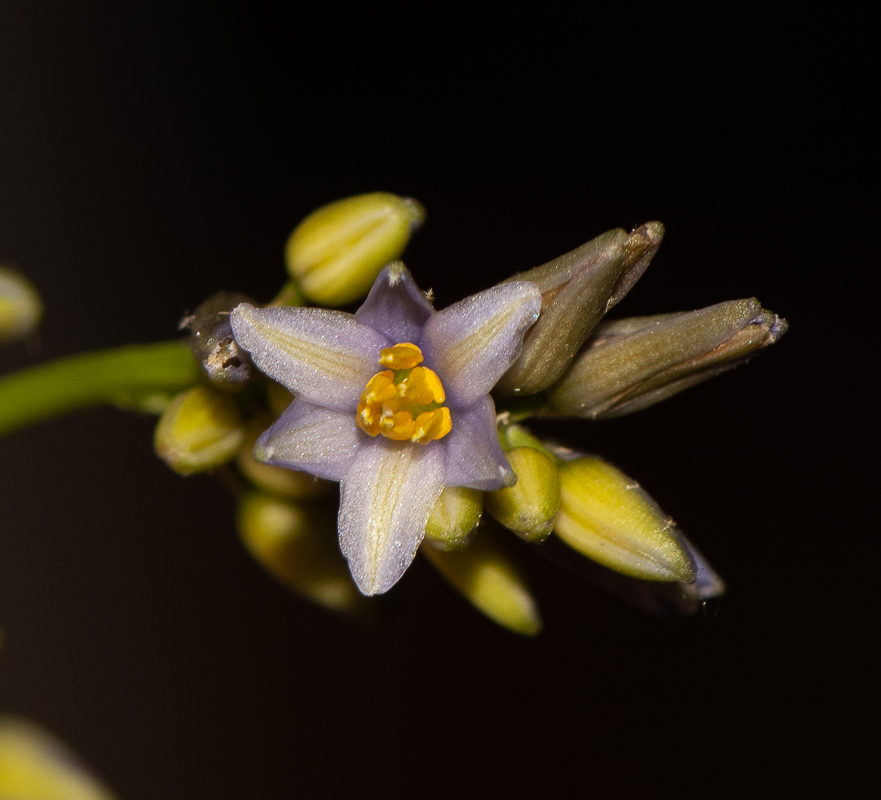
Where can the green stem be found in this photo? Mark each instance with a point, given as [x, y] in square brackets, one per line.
[137, 375]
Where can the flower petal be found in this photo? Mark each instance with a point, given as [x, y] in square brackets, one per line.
[395, 306]
[312, 439]
[474, 456]
[472, 343]
[325, 356]
[386, 500]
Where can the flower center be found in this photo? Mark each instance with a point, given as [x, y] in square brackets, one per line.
[403, 402]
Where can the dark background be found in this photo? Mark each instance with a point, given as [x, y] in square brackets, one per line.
[152, 154]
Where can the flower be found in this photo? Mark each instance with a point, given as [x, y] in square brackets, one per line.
[393, 402]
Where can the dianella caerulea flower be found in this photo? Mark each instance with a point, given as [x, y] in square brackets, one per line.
[393, 402]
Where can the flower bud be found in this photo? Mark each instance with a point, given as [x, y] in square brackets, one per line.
[35, 765]
[489, 579]
[20, 307]
[199, 430]
[610, 519]
[530, 506]
[337, 251]
[633, 363]
[284, 482]
[297, 544]
[577, 290]
[226, 364]
[454, 518]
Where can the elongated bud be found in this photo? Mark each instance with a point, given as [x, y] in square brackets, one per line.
[489, 579]
[297, 544]
[289, 483]
[454, 518]
[530, 506]
[34, 765]
[200, 430]
[577, 290]
[607, 517]
[633, 363]
[337, 251]
[20, 306]
[226, 364]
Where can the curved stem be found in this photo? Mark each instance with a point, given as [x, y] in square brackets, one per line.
[137, 375]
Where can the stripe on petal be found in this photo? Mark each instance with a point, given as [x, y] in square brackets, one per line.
[474, 456]
[312, 439]
[325, 356]
[472, 343]
[385, 504]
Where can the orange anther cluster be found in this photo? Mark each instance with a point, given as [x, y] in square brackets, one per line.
[404, 402]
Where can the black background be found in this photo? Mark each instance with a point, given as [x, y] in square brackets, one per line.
[151, 154]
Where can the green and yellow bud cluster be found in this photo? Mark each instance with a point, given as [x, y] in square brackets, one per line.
[571, 363]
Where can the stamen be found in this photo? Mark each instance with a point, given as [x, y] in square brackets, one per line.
[401, 356]
[404, 402]
[432, 425]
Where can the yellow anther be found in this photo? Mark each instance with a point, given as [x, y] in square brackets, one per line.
[402, 356]
[396, 425]
[380, 387]
[432, 425]
[409, 409]
[422, 386]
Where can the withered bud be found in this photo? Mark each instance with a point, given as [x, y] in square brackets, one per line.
[226, 364]
[633, 363]
[577, 289]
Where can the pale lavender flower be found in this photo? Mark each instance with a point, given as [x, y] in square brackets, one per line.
[389, 487]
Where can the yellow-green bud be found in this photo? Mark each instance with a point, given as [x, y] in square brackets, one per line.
[530, 506]
[337, 251]
[34, 765]
[285, 482]
[20, 306]
[297, 544]
[607, 517]
[201, 429]
[490, 580]
[454, 518]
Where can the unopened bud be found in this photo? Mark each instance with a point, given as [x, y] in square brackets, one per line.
[577, 290]
[225, 363]
[489, 579]
[297, 544]
[609, 518]
[201, 429]
[337, 251]
[20, 306]
[454, 518]
[34, 765]
[633, 363]
[530, 506]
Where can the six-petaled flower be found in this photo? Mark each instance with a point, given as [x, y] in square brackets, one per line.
[393, 402]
